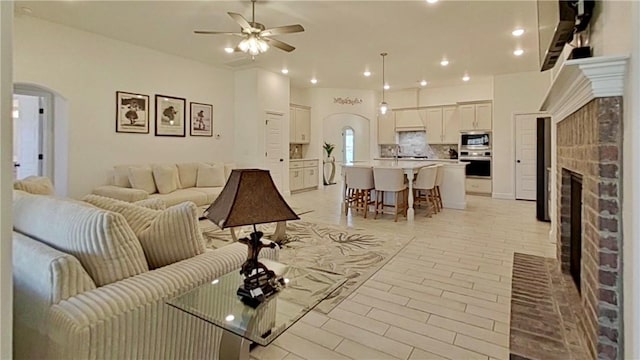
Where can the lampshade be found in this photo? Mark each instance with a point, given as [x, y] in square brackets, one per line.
[249, 197]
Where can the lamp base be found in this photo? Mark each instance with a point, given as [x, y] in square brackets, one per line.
[259, 287]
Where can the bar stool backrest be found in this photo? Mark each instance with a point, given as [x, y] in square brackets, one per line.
[426, 178]
[439, 174]
[360, 178]
[389, 179]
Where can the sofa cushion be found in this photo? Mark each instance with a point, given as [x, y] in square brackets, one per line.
[210, 176]
[101, 240]
[121, 175]
[166, 178]
[188, 173]
[166, 236]
[142, 178]
[38, 185]
[182, 195]
[211, 192]
[155, 204]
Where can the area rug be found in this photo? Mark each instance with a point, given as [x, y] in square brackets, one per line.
[353, 253]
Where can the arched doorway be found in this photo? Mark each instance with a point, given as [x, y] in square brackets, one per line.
[350, 134]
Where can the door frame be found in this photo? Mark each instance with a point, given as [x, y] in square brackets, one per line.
[514, 148]
[344, 143]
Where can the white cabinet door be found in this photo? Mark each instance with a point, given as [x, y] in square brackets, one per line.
[386, 128]
[303, 125]
[310, 177]
[467, 116]
[434, 125]
[410, 119]
[296, 179]
[292, 125]
[451, 125]
[483, 116]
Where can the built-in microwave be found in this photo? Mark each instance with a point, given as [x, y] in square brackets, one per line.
[473, 140]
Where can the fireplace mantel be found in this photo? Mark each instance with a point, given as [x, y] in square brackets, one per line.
[581, 80]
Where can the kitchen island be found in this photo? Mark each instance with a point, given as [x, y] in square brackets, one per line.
[453, 182]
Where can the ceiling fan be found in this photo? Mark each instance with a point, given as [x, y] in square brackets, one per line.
[256, 38]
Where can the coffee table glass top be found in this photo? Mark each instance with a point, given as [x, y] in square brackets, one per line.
[216, 302]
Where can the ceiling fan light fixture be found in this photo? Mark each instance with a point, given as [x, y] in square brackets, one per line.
[253, 45]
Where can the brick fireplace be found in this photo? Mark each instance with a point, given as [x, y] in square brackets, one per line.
[589, 184]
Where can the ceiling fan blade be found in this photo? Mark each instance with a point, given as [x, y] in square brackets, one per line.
[240, 20]
[279, 44]
[204, 32]
[282, 30]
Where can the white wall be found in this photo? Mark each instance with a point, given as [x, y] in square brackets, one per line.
[6, 180]
[512, 93]
[87, 69]
[611, 28]
[333, 127]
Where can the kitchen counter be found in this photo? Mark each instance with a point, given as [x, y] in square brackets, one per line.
[421, 159]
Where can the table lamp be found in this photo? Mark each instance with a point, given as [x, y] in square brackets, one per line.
[249, 198]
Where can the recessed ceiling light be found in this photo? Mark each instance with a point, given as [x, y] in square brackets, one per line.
[285, 70]
[423, 83]
[466, 78]
[444, 62]
[517, 32]
[386, 86]
[228, 50]
[314, 81]
[518, 52]
[367, 73]
[432, 1]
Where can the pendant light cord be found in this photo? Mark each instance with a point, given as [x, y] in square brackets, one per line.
[383, 55]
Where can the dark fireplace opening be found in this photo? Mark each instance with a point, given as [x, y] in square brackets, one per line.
[575, 245]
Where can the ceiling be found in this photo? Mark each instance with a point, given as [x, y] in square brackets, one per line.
[342, 39]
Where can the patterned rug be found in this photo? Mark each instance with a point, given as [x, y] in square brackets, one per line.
[353, 253]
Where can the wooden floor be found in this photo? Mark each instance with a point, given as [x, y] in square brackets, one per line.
[446, 295]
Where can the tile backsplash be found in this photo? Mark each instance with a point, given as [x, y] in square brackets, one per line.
[414, 143]
[295, 151]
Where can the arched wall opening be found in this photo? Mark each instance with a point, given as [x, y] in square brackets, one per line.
[333, 127]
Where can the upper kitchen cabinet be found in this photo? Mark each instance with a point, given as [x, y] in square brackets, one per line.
[386, 128]
[475, 116]
[410, 120]
[450, 124]
[299, 124]
[434, 125]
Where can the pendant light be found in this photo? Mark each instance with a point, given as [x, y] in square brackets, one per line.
[383, 105]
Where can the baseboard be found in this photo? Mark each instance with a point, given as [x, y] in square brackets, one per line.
[506, 196]
[455, 205]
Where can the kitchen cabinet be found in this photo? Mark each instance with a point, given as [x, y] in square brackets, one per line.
[410, 120]
[386, 129]
[476, 116]
[303, 174]
[299, 124]
[443, 125]
[478, 186]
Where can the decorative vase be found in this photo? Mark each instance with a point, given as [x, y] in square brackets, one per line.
[329, 170]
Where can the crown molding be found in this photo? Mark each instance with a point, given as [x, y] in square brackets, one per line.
[581, 80]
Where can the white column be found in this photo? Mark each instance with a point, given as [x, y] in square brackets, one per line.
[6, 181]
[411, 212]
[631, 196]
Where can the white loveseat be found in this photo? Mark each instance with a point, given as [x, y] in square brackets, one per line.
[83, 288]
[198, 182]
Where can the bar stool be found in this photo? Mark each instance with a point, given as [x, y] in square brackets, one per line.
[439, 177]
[425, 188]
[359, 189]
[390, 180]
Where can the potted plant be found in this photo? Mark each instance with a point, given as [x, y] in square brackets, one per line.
[328, 148]
[328, 180]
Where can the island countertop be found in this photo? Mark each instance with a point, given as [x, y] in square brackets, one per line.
[424, 162]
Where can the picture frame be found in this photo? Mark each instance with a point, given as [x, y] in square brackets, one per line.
[132, 113]
[201, 119]
[170, 115]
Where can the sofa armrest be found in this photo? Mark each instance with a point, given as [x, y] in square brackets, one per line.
[121, 193]
[121, 319]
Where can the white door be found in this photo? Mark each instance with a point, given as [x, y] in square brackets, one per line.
[273, 147]
[27, 136]
[525, 127]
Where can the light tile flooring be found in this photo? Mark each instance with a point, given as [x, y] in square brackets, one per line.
[446, 295]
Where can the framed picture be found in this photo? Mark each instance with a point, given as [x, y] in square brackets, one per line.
[201, 119]
[132, 113]
[170, 116]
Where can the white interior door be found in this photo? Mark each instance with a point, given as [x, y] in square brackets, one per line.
[273, 147]
[27, 136]
[525, 127]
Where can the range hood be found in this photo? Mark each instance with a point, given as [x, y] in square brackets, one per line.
[410, 120]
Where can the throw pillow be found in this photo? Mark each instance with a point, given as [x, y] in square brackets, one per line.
[153, 203]
[188, 173]
[37, 185]
[142, 178]
[166, 178]
[102, 241]
[211, 176]
[166, 236]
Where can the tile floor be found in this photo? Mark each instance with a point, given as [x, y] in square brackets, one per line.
[446, 295]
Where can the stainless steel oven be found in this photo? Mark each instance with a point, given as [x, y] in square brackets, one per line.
[479, 163]
[475, 140]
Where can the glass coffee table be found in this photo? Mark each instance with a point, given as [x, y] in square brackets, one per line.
[217, 303]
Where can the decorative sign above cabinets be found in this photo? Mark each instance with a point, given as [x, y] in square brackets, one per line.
[347, 101]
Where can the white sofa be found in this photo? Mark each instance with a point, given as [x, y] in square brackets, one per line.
[122, 188]
[84, 290]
